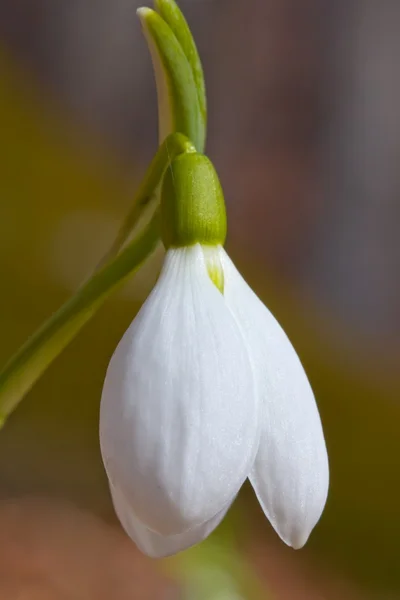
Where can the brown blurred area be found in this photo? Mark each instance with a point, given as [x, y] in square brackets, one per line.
[304, 130]
[53, 550]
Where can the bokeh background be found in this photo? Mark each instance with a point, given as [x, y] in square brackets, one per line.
[304, 130]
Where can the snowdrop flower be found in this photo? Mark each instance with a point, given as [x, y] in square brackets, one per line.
[205, 390]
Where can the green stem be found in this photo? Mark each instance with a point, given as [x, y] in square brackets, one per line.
[174, 144]
[32, 359]
[181, 109]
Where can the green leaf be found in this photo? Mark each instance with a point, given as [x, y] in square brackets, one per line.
[176, 86]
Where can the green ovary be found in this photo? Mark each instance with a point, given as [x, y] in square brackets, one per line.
[192, 203]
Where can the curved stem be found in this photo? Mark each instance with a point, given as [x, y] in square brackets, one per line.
[181, 109]
[174, 144]
[32, 359]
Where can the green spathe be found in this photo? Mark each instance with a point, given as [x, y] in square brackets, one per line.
[192, 203]
[175, 79]
[170, 12]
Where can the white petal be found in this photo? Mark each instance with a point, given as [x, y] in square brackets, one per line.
[178, 419]
[291, 473]
[154, 544]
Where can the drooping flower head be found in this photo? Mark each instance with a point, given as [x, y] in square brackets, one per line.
[205, 390]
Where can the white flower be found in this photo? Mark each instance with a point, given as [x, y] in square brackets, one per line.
[203, 391]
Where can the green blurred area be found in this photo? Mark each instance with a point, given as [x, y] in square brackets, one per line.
[54, 184]
[51, 178]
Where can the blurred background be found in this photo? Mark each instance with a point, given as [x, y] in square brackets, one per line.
[304, 130]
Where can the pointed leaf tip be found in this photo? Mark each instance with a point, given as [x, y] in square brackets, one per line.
[142, 11]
